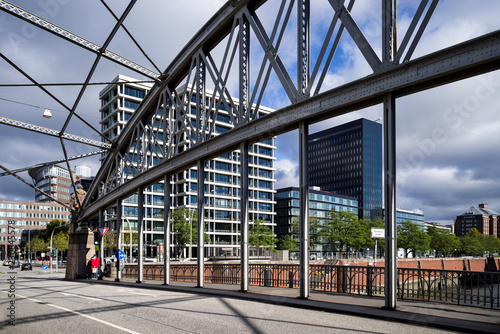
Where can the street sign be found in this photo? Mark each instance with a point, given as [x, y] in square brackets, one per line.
[45, 267]
[120, 254]
[102, 231]
[378, 232]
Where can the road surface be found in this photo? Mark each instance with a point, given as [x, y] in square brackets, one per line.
[44, 303]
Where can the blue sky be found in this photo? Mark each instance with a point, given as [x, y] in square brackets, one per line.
[448, 137]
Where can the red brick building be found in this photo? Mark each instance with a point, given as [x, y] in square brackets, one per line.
[479, 217]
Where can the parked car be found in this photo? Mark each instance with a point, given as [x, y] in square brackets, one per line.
[26, 266]
[14, 264]
[6, 262]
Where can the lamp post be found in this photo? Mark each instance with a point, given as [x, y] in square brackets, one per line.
[130, 238]
[51, 236]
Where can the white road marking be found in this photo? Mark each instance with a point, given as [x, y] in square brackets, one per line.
[137, 293]
[70, 294]
[78, 313]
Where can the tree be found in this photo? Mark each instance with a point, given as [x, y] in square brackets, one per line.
[471, 243]
[60, 241]
[344, 229]
[442, 240]
[491, 244]
[110, 241]
[316, 233]
[185, 226]
[54, 223]
[38, 244]
[261, 235]
[126, 240]
[412, 238]
[287, 242]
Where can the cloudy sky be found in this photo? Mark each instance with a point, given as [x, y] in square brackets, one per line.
[448, 138]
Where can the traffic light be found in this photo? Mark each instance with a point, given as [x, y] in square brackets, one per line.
[96, 242]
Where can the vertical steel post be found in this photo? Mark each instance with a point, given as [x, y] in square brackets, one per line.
[101, 245]
[244, 214]
[304, 210]
[201, 223]
[166, 229]
[303, 47]
[140, 231]
[119, 224]
[244, 75]
[389, 52]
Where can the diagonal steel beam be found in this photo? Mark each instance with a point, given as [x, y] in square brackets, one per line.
[75, 39]
[50, 163]
[53, 133]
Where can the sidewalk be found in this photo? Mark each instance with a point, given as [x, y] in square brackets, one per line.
[445, 316]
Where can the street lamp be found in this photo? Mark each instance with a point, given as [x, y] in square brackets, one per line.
[51, 236]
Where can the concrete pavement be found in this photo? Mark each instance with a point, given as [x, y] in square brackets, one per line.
[439, 315]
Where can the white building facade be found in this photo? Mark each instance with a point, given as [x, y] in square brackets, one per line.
[222, 179]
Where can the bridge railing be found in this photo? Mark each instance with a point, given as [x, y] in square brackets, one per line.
[460, 287]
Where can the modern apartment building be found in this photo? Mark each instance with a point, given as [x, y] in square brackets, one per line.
[21, 221]
[54, 180]
[347, 160]
[480, 217]
[222, 190]
[321, 203]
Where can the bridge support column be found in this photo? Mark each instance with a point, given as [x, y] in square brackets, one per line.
[388, 55]
[201, 224]
[102, 263]
[304, 210]
[244, 214]
[166, 229]
[140, 231]
[80, 250]
[390, 201]
[119, 228]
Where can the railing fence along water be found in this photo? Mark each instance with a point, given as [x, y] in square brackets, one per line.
[460, 287]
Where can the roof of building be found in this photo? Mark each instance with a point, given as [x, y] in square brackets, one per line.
[474, 211]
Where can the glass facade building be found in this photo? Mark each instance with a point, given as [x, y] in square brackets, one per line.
[321, 203]
[347, 160]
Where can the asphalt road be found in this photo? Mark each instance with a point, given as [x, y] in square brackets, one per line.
[44, 303]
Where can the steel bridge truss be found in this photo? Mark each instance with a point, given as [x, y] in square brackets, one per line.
[142, 158]
[213, 71]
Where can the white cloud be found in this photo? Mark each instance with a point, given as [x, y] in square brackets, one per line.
[286, 173]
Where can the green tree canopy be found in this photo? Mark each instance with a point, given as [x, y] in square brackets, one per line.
[316, 232]
[491, 244]
[261, 235]
[344, 229]
[411, 238]
[442, 240]
[37, 244]
[60, 241]
[185, 226]
[471, 244]
[287, 242]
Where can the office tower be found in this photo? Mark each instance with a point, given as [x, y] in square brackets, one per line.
[347, 160]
